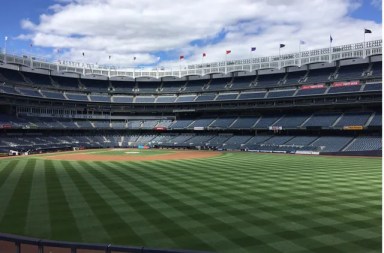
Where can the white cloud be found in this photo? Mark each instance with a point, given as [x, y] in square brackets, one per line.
[128, 28]
[377, 4]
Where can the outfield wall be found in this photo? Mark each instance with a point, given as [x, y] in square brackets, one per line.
[373, 153]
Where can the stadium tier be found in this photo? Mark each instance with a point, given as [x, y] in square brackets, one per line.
[318, 107]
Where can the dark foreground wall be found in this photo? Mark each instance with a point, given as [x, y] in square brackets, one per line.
[374, 153]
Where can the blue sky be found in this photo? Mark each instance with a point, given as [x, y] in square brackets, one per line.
[157, 32]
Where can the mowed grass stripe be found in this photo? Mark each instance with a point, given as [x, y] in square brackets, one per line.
[186, 176]
[111, 221]
[14, 219]
[156, 218]
[38, 220]
[5, 170]
[89, 226]
[12, 172]
[62, 220]
[138, 221]
[204, 219]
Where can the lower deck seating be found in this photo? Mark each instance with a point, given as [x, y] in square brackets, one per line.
[286, 143]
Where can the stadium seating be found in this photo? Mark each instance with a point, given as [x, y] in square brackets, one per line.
[325, 120]
[244, 123]
[148, 87]
[344, 89]
[122, 86]
[242, 82]
[364, 143]
[122, 99]
[376, 120]
[30, 92]
[195, 86]
[291, 121]
[100, 98]
[144, 99]
[95, 85]
[201, 123]
[53, 94]
[319, 75]
[251, 95]
[266, 121]
[66, 82]
[12, 75]
[294, 77]
[166, 99]
[172, 87]
[331, 143]
[222, 123]
[226, 96]
[351, 72]
[38, 79]
[353, 119]
[77, 96]
[269, 80]
[373, 87]
[310, 92]
[187, 98]
[281, 93]
[205, 97]
[218, 84]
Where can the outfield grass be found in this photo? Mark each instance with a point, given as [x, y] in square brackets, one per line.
[237, 202]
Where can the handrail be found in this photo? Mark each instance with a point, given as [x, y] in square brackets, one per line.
[74, 246]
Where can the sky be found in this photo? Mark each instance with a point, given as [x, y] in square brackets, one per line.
[157, 32]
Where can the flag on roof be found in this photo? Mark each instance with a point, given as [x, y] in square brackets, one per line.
[83, 54]
[330, 38]
[228, 52]
[181, 57]
[282, 45]
[109, 57]
[253, 49]
[367, 31]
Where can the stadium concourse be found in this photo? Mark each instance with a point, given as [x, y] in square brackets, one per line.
[320, 107]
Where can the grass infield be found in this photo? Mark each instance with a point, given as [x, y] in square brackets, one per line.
[235, 202]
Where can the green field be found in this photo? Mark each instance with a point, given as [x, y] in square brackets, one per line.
[236, 202]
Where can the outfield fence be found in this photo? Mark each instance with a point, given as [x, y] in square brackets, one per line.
[20, 244]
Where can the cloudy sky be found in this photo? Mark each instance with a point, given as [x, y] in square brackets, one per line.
[157, 32]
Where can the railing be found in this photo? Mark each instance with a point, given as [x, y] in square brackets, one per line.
[20, 244]
[330, 54]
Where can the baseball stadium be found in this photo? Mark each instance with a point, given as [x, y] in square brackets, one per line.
[279, 153]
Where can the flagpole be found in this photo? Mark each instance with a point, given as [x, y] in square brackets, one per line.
[330, 46]
[364, 53]
[5, 45]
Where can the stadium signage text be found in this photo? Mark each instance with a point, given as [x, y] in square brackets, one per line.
[314, 86]
[341, 84]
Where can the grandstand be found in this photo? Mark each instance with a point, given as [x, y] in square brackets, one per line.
[317, 106]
